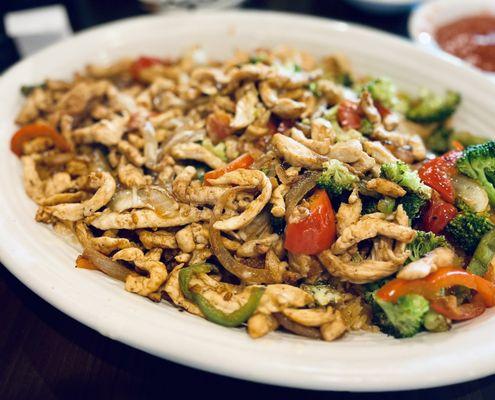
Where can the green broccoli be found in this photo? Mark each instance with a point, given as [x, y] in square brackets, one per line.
[412, 204]
[400, 173]
[366, 127]
[386, 205]
[478, 162]
[278, 224]
[401, 320]
[423, 243]
[441, 139]
[218, 149]
[435, 322]
[344, 79]
[383, 91]
[336, 178]
[431, 107]
[462, 206]
[483, 254]
[467, 229]
[370, 204]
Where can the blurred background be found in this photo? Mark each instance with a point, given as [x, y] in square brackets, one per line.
[86, 13]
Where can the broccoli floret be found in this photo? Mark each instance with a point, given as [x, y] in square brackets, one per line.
[218, 149]
[278, 224]
[366, 127]
[344, 79]
[423, 243]
[370, 204]
[478, 162]
[412, 204]
[467, 229]
[401, 320]
[386, 205]
[435, 322]
[384, 91]
[441, 140]
[431, 107]
[483, 254]
[462, 205]
[336, 178]
[400, 173]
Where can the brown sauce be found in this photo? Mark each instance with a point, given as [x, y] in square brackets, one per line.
[472, 39]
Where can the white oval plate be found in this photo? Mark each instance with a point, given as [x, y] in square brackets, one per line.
[359, 362]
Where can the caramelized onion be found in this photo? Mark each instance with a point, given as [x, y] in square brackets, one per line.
[150, 145]
[106, 264]
[242, 271]
[299, 190]
[152, 197]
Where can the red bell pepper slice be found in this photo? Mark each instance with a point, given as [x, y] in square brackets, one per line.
[443, 278]
[317, 231]
[243, 161]
[438, 173]
[32, 131]
[438, 214]
[348, 115]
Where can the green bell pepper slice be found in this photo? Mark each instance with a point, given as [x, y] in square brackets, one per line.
[483, 254]
[210, 312]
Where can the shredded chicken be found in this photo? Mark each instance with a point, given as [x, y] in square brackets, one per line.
[297, 154]
[440, 257]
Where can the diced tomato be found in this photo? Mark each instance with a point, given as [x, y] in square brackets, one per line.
[243, 161]
[348, 115]
[438, 214]
[384, 111]
[316, 232]
[438, 173]
[32, 131]
[448, 307]
[218, 125]
[142, 63]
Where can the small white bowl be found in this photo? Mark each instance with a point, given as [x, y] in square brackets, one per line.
[427, 18]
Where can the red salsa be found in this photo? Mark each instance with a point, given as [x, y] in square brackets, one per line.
[472, 39]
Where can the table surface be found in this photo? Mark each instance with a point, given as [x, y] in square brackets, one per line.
[46, 355]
